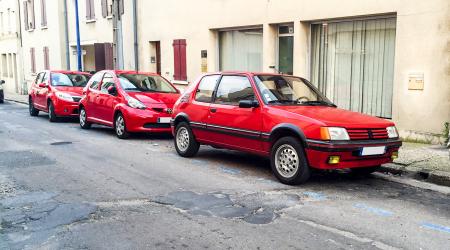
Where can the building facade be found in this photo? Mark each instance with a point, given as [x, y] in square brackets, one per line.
[10, 47]
[388, 58]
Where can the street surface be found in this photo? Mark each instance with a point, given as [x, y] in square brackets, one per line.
[66, 188]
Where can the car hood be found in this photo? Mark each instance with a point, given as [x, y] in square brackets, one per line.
[330, 116]
[155, 98]
[76, 91]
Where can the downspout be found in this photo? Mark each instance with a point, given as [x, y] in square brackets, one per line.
[24, 87]
[66, 34]
[135, 31]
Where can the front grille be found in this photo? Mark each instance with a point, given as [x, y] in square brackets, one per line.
[157, 125]
[368, 134]
[76, 99]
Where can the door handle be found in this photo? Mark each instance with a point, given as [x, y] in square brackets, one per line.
[213, 110]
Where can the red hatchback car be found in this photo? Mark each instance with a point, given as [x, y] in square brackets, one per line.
[57, 92]
[283, 117]
[128, 101]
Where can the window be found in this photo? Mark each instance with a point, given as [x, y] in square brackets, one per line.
[145, 83]
[206, 88]
[179, 54]
[95, 80]
[46, 59]
[4, 64]
[233, 89]
[107, 82]
[28, 8]
[69, 80]
[107, 8]
[39, 78]
[286, 49]
[33, 60]
[43, 14]
[241, 50]
[90, 11]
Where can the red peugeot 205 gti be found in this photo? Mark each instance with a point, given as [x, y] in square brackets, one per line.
[285, 118]
[57, 92]
[128, 101]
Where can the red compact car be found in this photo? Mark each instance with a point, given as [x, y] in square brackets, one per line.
[283, 117]
[128, 101]
[57, 92]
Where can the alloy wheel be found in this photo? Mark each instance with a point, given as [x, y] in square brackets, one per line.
[286, 161]
[82, 117]
[120, 125]
[182, 139]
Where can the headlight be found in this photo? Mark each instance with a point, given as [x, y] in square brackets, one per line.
[64, 96]
[135, 103]
[392, 132]
[334, 133]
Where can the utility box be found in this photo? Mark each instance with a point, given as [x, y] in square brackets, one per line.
[416, 81]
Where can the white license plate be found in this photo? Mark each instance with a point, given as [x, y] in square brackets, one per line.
[164, 119]
[373, 151]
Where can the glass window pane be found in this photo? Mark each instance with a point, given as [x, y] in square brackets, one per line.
[232, 89]
[285, 54]
[206, 88]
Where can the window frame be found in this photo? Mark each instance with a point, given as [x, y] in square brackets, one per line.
[101, 74]
[230, 104]
[219, 77]
[113, 77]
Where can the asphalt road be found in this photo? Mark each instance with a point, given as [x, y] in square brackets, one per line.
[65, 188]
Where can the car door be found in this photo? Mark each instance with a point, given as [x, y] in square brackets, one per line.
[41, 92]
[105, 102]
[35, 90]
[198, 110]
[92, 94]
[231, 125]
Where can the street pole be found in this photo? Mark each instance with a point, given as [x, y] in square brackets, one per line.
[117, 35]
[77, 24]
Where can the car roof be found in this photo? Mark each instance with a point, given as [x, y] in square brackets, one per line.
[70, 72]
[248, 73]
[131, 72]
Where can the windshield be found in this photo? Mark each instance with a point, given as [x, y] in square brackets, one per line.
[69, 80]
[145, 83]
[276, 89]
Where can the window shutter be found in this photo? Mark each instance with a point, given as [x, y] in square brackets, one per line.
[46, 59]
[33, 60]
[179, 54]
[92, 9]
[88, 9]
[25, 15]
[104, 8]
[43, 14]
[121, 7]
[33, 19]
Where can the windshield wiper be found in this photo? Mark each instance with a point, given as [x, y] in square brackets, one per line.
[318, 103]
[281, 101]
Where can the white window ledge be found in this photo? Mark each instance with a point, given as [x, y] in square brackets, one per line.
[91, 20]
[44, 27]
[180, 82]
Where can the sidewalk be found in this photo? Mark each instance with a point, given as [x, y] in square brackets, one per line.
[422, 161]
[13, 97]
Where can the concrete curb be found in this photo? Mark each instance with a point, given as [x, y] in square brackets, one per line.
[432, 176]
[17, 101]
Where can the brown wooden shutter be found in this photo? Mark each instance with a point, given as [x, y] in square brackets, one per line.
[88, 9]
[25, 15]
[179, 54]
[43, 14]
[33, 60]
[104, 8]
[46, 59]
[33, 17]
[109, 59]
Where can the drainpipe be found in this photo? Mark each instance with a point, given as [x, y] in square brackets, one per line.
[77, 24]
[66, 33]
[136, 54]
[24, 87]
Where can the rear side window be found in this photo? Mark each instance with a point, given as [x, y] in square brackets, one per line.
[95, 80]
[206, 88]
[233, 89]
[107, 82]
[39, 78]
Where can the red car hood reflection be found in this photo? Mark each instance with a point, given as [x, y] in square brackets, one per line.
[168, 99]
[337, 117]
[76, 91]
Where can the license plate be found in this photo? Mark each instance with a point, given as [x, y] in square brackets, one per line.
[164, 119]
[373, 151]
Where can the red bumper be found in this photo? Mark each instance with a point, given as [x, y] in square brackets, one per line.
[65, 108]
[319, 152]
[138, 120]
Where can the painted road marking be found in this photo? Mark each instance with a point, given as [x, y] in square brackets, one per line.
[230, 170]
[316, 196]
[436, 227]
[377, 211]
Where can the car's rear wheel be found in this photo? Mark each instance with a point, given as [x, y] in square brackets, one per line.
[185, 142]
[120, 127]
[364, 171]
[84, 124]
[31, 108]
[51, 112]
[288, 161]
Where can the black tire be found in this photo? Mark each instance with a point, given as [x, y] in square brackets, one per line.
[185, 142]
[84, 124]
[51, 112]
[293, 168]
[120, 127]
[31, 108]
[364, 171]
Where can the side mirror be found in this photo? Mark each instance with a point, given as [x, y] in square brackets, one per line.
[2, 81]
[42, 85]
[248, 104]
[112, 90]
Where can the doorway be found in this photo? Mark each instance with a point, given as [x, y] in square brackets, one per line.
[155, 57]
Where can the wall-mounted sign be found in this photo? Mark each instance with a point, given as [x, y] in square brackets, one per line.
[415, 81]
[204, 56]
[152, 59]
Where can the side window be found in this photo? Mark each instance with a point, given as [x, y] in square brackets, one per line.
[233, 89]
[38, 78]
[95, 80]
[45, 78]
[206, 88]
[107, 82]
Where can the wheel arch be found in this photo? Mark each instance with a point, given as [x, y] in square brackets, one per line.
[180, 117]
[287, 129]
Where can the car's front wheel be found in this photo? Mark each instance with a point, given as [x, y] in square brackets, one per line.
[185, 142]
[363, 171]
[51, 112]
[31, 108]
[84, 124]
[288, 161]
[120, 127]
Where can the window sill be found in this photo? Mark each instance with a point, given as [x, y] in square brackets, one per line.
[109, 17]
[179, 82]
[91, 20]
[30, 30]
[44, 27]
